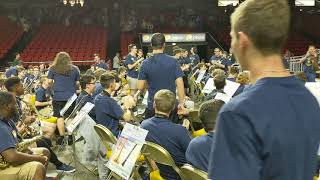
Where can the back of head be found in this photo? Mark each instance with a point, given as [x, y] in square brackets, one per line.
[99, 72]
[265, 22]
[106, 79]
[219, 81]
[164, 101]
[158, 41]
[218, 71]
[233, 70]
[243, 78]
[208, 113]
[11, 83]
[6, 98]
[62, 63]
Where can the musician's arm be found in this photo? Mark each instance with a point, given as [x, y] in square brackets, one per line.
[131, 66]
[180, 90]
[127, 116]
[37, 103]
[15, 158]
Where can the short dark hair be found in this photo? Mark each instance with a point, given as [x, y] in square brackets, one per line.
[5, 99]
[208, 113]
[219, 81]
[11, 82]
[176, 51]
[195, 50]
[157, 41]
[131, 46]
[86, 79]
[106, 79]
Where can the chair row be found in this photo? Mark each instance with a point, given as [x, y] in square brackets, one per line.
[151, 153]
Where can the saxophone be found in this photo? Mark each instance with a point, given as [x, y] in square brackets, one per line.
[21, 147]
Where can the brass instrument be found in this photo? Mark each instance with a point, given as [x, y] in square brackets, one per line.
[21, 147]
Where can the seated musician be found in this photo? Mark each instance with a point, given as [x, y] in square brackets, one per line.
[88, 85]
[15, 164]
[14, 86]
[173, 137]
[97, 74]
[233, 73]
[202, 69]
[200, 147]
[42, 94]
[108, 111]
[219, 81]
[243, 80]
[122, 75]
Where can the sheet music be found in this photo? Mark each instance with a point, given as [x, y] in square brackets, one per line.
[229, 89]
[223, 97]
[314, 88]
[68, 104]
[145, 98]
[72, 124]
[209, 87]
[127, 150]
[200, 76]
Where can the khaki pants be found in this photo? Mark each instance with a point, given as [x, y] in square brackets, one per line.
[132, 83]
[23, 172]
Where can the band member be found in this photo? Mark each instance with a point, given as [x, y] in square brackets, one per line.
[259, 133]
[310, 64]
[15, 87]
[65, 78]
[99, 62]
[161, 130]
[20, 165]
[88, 86]
[131, 63]
[42, 94]
[194, 57]
[160, 72]
[108, 111]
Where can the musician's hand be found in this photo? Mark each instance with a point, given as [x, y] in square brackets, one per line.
[29, 120]
[182, 110]
[49, 103]
[42, 159]
[21, 128]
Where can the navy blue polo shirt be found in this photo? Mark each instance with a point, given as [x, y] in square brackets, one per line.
[160, 71]
[270, 131]
[11, 72]
[41, 96]
[98, 90]
[198, 151]
[226, 63]
[194, 59]
[108, 112]
[82, 100]
[102, 65]
[308, 67]
[173, 137]
[215, 58]
[131, 60]
[64, 85]
[8, 135]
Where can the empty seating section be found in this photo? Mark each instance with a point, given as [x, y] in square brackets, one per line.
[10, 33]
[81, 42]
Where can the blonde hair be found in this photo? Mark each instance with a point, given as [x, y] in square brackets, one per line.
[265, 22]
[164, 100]
[62, 63]
[243, 78]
